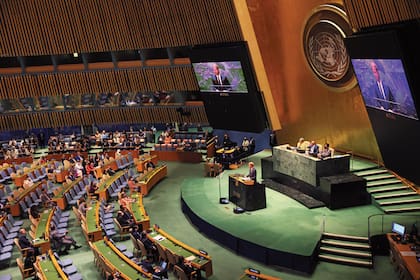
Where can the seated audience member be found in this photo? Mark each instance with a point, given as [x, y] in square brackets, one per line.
[313, 149]
[33, 211]
[300, 145]
[90, 168]
[24, 242]
[46, 199]
[160, 272]
[132, 186]
[83, 207]
[63, 240]
[325, 152]
[147, 264]
[124, 220]
[125, 200]
[92, 188]
[187, 267]
[149, 165]
[27, 183]
[245, 144]
[114, 276]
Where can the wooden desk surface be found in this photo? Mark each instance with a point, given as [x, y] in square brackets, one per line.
[406, 255]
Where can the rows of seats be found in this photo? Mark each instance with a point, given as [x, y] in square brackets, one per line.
[78, 191]
[106, 220]
[115, 188]
[7, 240]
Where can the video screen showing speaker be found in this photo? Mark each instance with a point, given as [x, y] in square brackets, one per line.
[228, 87]
[221, 76]
[384, 86]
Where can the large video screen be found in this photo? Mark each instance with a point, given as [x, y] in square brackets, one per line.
[225, 76]
[384, 86]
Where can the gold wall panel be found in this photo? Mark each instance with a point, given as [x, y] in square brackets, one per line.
[306, 106]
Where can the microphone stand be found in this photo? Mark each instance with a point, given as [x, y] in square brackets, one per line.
[222, 200]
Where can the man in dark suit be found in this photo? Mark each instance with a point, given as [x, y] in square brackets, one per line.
[252, 174]
[313, 149]
[24, 243]
[381, 92]
[219, 79]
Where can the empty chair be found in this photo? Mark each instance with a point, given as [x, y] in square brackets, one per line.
[13, 221]
[74, 195]
[5, 242]
[6, 249]
[64, 262]
[6, 234]
[34, 198]
[71, 201]
[10, 227]
[62, 213]
[108, 232]
[68, 270]
[23, 207]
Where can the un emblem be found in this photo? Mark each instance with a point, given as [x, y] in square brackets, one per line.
[324, 46]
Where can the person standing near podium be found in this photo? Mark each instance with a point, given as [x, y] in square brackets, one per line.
[252, 173]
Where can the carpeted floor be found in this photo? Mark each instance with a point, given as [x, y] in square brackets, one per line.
[290, 224]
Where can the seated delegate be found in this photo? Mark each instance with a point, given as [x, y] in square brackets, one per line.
[325, 152]
[313, 149]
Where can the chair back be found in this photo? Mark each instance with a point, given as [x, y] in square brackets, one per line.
[180, 273]
[26, 273]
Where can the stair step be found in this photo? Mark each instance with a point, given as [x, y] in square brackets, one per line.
[347, 261]
[386, 189]
[345, 237]
[370, 172]
[383, 182]
[377, 177]
[402, 209]
[395, 195]
[348, 245]
[348, 253]
[395, 202]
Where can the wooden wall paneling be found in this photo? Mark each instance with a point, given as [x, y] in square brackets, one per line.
[126, 41]
[130, 13]
[4, 37]
[3, 88]
[88, 14]
[16, 24]
[84, 83]
[75, 25]
[137, 21]
[39, 45]
[349, 8]
[404, 7]
[46, 27]
[177, 23]
[110, 20]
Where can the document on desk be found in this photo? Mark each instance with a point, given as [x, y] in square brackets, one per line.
[159, 237]
[190, 258]
[408, 253]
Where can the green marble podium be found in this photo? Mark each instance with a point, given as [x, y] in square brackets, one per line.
[307, 168]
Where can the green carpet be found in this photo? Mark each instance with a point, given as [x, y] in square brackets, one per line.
[291, 225]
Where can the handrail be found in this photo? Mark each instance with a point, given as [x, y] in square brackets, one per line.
[180, 243]
[126, 259]
[57, 266]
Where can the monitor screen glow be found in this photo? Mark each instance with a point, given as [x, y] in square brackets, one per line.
[221, 76]
[398, 229]
[384, 86]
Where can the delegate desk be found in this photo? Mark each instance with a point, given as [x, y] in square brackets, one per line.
[117, 261]
[141, 163]
[42, 231]
[198, 259]
[48, 268]
[254, 274]
[90, 224]
[307, 168]
[139, 213]
[147, 181]
[405, 257]
[14, 205]
[59, 196]
[102, 191]
[246, 194]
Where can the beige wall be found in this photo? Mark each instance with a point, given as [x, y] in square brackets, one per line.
[304, 104]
